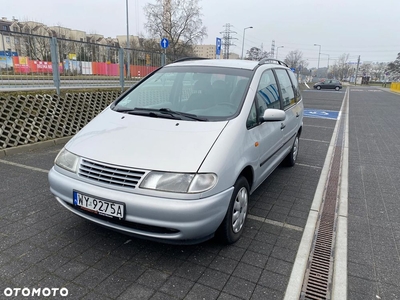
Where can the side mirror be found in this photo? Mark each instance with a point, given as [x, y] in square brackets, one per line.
[273, 115]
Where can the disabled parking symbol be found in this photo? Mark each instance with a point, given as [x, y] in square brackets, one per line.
[321, 114]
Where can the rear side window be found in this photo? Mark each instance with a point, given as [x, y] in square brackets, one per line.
[286, 88]
[295, 85]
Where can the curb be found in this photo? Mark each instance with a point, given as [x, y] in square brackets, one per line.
[31, 147]
[295, 284]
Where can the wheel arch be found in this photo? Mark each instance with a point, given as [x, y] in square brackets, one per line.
[299, 131]
[248, 173]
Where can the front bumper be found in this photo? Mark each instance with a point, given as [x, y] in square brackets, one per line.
[165, 219]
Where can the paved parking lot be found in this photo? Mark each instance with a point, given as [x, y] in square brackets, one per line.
[45, 246]
[374, 195]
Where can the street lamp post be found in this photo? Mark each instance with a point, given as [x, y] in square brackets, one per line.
[328, 64]
[277, 49]
[127, 41]
[244, 32]
[319, 55]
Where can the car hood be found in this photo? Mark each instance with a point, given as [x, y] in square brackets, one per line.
[146, 142]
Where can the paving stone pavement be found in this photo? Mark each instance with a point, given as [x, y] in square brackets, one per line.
[374, 195]
[43, 245]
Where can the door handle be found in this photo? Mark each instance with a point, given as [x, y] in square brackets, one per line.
[297, 115]
[283, 125]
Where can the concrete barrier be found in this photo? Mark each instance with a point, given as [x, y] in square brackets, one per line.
[395, 87]
[31, 119]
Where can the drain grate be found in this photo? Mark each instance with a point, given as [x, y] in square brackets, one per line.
[318, 278]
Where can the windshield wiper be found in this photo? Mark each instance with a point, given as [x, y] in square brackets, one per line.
[161, 113]
[148, 112]
[183, 114]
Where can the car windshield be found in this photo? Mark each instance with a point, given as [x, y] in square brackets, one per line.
[202, 93]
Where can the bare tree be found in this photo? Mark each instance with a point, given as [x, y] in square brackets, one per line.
[343, 67]
[37, 48]
[256, 54]
[179, 21]
[378, 71]
[295, 60]
[366, 69]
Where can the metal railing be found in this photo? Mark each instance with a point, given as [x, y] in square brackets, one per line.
[29, 61]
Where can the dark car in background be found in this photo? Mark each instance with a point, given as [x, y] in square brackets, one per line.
[328, 84]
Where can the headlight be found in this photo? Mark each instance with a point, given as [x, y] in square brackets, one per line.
[67, 160]
[179, 183]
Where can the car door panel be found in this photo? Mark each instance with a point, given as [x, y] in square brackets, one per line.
[268, 139]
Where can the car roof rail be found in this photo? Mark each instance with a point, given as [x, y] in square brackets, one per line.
[188, 58]
[273, 60]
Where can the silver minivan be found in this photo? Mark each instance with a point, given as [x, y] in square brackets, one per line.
[176, 157]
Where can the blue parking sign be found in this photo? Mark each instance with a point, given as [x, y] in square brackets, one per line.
[218, 46]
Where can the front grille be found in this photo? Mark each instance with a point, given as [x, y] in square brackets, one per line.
[108, 174]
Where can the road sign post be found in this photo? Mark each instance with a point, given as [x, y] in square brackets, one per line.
[164, 45]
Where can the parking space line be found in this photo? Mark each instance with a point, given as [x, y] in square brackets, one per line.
[309, 166]
[311, 140]
[23, 166]
[276, 223]
[326, 127]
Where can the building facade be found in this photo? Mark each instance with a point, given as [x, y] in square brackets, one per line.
[206, 51]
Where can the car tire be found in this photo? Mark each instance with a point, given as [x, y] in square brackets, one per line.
[318, 87]
[291, 158]
[337, 88]
[232, 226]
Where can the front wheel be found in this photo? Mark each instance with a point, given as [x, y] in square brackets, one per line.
[231, 227]
[291, 158]
[318, 87]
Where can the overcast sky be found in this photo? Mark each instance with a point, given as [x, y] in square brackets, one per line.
[358, 27]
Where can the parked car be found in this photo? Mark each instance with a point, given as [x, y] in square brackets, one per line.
[328, 84]
[176, 160]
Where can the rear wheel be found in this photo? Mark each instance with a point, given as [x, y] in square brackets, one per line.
[318, 87]
[337, 88]
[291, 158]
[232, 226]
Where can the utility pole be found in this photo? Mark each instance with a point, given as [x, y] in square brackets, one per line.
[358, 64]
[272, 54]
[227, 39]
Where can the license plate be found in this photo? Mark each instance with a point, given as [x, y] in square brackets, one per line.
[99, 206]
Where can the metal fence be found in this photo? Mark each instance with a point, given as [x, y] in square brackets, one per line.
[29, 61]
